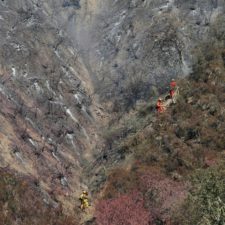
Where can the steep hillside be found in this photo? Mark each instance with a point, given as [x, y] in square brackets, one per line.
[48, 122]
[78, 85]
[134, 47]
[152, 159]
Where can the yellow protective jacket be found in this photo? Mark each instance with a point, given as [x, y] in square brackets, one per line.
[84, 200]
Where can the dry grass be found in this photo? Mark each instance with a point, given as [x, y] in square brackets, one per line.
[21, 203]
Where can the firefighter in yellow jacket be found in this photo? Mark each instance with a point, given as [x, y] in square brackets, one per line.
[84, 200]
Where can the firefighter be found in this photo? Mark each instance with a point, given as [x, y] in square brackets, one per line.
[160, 106]
[173, 86]
[84, 200]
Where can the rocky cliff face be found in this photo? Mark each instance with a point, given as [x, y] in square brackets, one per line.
[134, 47]
[58, 59]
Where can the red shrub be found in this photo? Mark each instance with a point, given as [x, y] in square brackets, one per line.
[162, 193]
[127, 209]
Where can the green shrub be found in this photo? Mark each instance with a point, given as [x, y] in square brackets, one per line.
[206, 202]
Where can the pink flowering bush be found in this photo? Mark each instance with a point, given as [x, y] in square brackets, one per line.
[162, 193]
[126, 209]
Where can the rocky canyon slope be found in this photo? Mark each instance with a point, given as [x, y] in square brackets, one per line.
[67, 65]
[48, 129]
